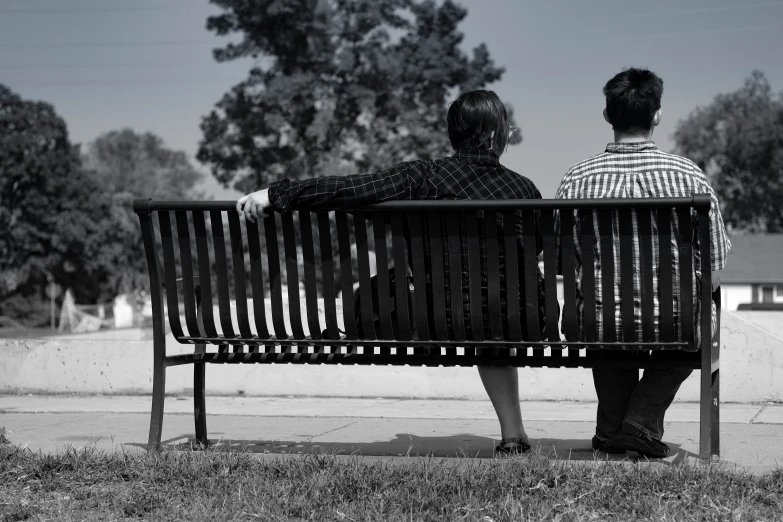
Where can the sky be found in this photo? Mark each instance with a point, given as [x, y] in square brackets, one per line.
[147, 65]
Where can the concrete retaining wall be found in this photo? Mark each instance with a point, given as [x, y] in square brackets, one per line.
[120, 362]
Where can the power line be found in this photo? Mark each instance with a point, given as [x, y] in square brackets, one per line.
[124, 82]
[103, 9]
[697, 10]
[142, 43]
[707, 32]
[101, 65]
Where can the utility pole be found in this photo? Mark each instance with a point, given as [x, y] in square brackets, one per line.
[53, 290]
[50, 279]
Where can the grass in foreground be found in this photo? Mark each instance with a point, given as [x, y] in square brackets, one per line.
[93, 485]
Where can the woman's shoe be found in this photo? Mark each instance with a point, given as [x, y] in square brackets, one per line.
[512, 446]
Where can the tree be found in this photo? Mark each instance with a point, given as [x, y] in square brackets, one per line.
[339, 86]
[140, 165]
[738, 141]
[131, 165]
[45, 205]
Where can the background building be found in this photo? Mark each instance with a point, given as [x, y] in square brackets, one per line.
[754, 273]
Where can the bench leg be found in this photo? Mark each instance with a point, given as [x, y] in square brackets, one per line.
[709, 446]
[715, 414]
[705, 426]
[709, 439]
[199, 403]
[199, 377]
[158, 392]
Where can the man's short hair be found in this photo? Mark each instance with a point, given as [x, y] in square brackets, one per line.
[473, 118]
[632, 99]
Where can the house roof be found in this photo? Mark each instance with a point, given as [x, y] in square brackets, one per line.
[754, 258]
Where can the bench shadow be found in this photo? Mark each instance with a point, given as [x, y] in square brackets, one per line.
[407, 444]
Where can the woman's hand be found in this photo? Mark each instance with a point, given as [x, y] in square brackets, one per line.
[253, 204]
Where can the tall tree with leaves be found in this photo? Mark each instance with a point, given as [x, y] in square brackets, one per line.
[339, 86]
[131, 165]
[46, 203]
[738, 141]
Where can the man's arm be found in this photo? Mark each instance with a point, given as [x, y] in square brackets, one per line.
[719, 239]
[398, 182]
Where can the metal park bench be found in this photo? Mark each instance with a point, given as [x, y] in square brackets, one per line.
[192, 262]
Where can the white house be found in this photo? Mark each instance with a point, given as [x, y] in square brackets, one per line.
[753, 275]
[754, 272]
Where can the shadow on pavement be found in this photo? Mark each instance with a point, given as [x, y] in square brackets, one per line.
[406, 444]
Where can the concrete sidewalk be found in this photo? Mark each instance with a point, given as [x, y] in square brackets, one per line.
[751, 434]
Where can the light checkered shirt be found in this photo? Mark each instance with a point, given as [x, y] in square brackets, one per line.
[640, 170]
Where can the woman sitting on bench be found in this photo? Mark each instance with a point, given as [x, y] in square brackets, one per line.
[478, 129]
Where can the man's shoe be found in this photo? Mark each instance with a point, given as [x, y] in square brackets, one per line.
[607, 446]
[643, 444]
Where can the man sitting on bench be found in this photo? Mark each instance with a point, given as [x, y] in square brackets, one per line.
[478, 130]
[631, 411]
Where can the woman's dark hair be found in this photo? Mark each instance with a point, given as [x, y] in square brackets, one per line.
[473, 118]
[632, 99]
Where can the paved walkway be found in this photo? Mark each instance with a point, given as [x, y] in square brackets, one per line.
[751, 434]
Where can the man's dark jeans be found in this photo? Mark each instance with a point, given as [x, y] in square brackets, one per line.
[640, 403]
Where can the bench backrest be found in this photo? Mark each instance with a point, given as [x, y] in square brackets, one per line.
[421, 240]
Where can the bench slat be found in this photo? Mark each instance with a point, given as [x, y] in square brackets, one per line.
[513, 287]
[256, 279]
[327, 274]
[647, 261]
[379, 221]
[568, 265]
[275, 284]
[437, 264]
[607, 260]
[627, 275]
[587, 242]
[365, 287]
[419, 258]
[205, 275]
[308, 262]
[506, 344]
[221, 271]
[454, 246]
[474, 278]
[346, 273]
[156, 285]
[169, 273]
[530, 252]
[400, 277]
[426, 360]
[550, 278]
[292, 275]
[493, 275]
[238, 259]
[186, 258]
[685, 227]
[666, 323]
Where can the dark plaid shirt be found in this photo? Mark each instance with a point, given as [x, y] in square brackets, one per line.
[468, 174]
